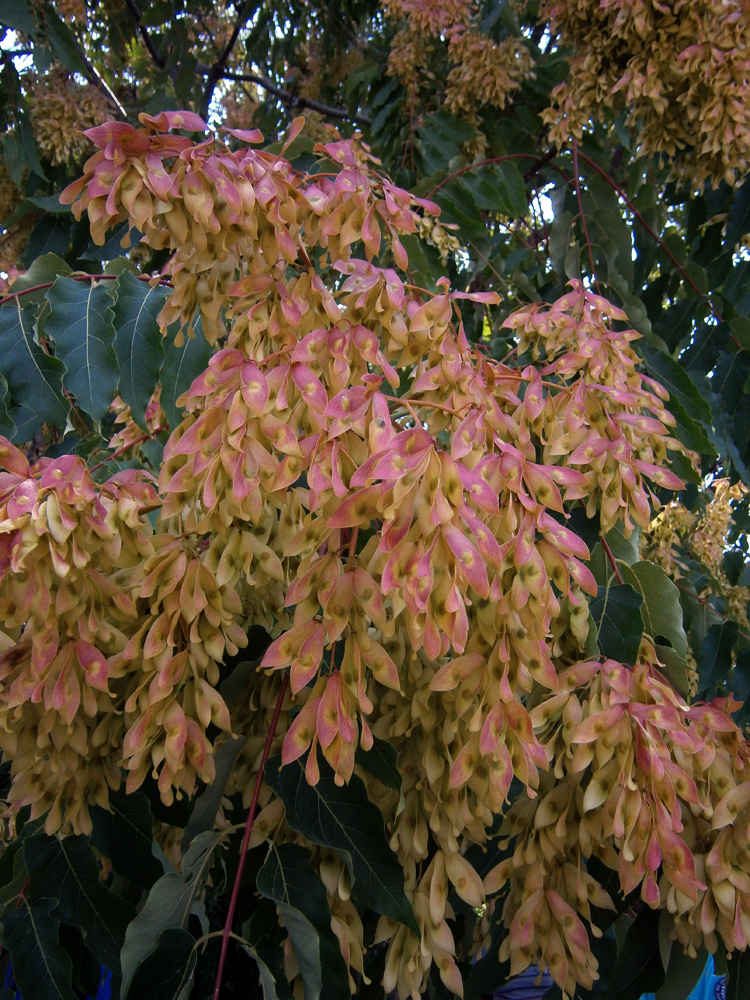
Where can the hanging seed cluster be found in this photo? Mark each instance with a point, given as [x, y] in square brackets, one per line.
[391, 504]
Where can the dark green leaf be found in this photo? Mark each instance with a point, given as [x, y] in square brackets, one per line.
[181, 366]
[51, 203]
[616, 612]
[62, 42]
[287, 879]
[7, 426]
[638, 969]
[167, 972]
[381, 761]
[738, 976]
[168, 906]
[19, 16]
[34, 378]
[682, 390]
[661, 609]
[682, 974]
[261, 941]
[207, 803]
[51, 235]
[738, 219]
[69, 869]
[42, 969]
[44, 269]
[342, 817]
[80, 323]
[139, 344]
[715, 657]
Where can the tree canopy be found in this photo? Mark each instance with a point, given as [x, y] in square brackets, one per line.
[374, 468]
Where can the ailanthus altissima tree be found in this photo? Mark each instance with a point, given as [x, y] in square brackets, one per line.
[373, 583]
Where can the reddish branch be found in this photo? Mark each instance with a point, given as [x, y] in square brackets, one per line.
[246, 840]
[77, 277]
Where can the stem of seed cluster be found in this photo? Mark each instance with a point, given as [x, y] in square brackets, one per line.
[612, 560]
[227, 932]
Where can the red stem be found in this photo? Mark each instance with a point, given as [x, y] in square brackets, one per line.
[616, 187]
[612, 560]
[481, 163]
[246, 840]
[77, 277]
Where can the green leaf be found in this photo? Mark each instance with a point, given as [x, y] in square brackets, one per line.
[381, 761]
[69, 869]
[51, 234]
[168, 906]
[34, 377]
[139, 344]
[616, 612]
[207, 803]
[715, 657]
[692, 409]
[738, 975]
[63, 43]
[675, 668]
[45, 268]
[287, 879]
[19, 16]
[50, 203]
[661, 609]
[80, 323]
[42, 969]
[738, 219]
[559, 242]
[167, 972]
[638, 968]
[511, 187]
[261, 941]
[181, 366]
[682, 973]
[342, 817]
[7, 426]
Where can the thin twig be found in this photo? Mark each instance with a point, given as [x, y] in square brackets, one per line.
[293, 100]
[246, 840]
[655, 236]
[78, 277]
[612, 560]
[143, 32]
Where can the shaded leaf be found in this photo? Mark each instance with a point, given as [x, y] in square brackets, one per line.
[168, 906]
[342, 817]
[715, 657]
[287, 879]
[80, 323]
[69, 869]
[692, 409]
[42, 969]
[51, 235]
[7, 426]
[616, 612]
[62, 42]
[261, 941]
[638, 969]
[139, 344]
[661, 609]
[682, 973]
[381, 761]
[181, 366]
[738, 976]
[167, 973]
[34, 378]
[19, 16]
[207, 803]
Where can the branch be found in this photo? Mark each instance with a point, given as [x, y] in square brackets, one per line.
[143, 32]
[293, 100]
[616, 187]
[77, 277]
[227, 933]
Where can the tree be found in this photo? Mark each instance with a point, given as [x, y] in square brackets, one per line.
[373, 504]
